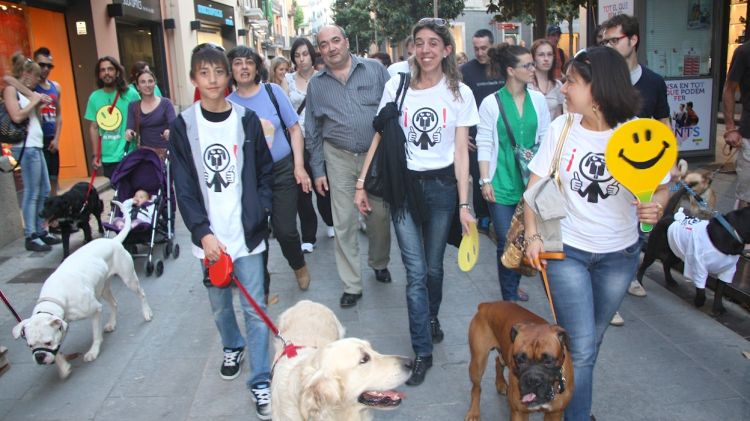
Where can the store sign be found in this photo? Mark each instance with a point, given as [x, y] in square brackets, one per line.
[214, 12]
[690, 106]
[610, 8]
[141, 9]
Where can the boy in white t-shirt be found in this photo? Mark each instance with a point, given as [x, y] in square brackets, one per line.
[223, 173]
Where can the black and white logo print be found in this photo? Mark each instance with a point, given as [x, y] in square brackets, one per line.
[216, 160]
[593, 169]
[424, 121]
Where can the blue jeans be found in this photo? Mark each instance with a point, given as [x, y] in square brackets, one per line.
[587, 289]
[509, 279]
[249, 271]
[35, 188]
[422, 249]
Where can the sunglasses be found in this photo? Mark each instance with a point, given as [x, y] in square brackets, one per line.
[433, 21]
[47, 65]
[611, 42]
[528, 66]
[205, 45]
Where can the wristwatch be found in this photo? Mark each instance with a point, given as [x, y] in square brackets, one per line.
[483, 181]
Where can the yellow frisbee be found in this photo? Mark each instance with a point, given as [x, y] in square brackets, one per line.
[468, 251]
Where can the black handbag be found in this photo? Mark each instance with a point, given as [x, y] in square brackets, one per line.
[376, 179]
[10, 131]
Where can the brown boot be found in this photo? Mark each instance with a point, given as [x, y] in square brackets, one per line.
[303, 278]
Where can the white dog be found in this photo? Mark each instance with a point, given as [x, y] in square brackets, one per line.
[331, 379]
[73, 292]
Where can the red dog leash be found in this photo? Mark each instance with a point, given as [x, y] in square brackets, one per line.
[221, 275]
[10, 307]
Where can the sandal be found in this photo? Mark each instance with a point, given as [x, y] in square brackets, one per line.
[522, 295]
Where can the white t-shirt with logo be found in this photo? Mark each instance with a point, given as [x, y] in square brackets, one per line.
[219, 148]
[689, 241]
[429, 119]
[601, 217]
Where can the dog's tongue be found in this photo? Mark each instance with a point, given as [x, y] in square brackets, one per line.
[528, 398]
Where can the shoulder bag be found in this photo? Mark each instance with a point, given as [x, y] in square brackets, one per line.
[275, 103]
[12, 133]
[377, 177]
[515, 244]
[523, 155]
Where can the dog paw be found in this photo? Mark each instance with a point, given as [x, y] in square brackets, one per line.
[716, 312]
[148, 315]
[64, 372]
[699, 300]
[90, 356]
[109, 327]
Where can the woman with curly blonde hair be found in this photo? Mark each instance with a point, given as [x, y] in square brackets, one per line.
[279, 69]
[435, 118]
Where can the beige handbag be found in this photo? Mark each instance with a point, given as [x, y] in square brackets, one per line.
[515, 245]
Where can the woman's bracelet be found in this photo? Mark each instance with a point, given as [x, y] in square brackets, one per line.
[532, 238]
[361, 180]
[464, 206]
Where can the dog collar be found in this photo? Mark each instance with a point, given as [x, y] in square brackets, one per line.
[54, 301]
[719, 217]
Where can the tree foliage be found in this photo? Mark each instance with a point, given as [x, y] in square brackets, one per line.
[398, 17]
[537, 12]
[299, 15]
[354, 17]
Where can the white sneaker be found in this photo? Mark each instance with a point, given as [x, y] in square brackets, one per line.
[307, 247]
[617, 320]
[261, 395]
[330, 232]
[636, 289]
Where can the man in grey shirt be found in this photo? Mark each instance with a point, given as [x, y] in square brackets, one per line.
[342, 100]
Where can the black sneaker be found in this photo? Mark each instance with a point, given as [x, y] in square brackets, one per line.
[437, 332]
[261, 395]
[232, 364]
[34, 243]
[49, 239]
[419, 370]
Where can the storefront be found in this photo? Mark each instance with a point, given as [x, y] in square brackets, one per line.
[215, 23]
[47, 24]
[140, 36]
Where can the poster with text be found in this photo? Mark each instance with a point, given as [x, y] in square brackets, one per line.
[690, 107]
[610, 8]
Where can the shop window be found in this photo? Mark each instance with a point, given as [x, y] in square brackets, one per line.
[680, 46]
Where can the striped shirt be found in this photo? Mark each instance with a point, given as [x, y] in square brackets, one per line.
[342, 114]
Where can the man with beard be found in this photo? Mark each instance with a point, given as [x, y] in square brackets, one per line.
[107, 110]
[476, 76]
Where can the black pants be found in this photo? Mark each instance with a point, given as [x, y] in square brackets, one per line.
[284, 214]
[480, 206]
[308, 220]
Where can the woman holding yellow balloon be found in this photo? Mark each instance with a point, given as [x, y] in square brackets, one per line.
[599, 231]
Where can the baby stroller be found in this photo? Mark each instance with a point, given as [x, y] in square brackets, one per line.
[143, 169]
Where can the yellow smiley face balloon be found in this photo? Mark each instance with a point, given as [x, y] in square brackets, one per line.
[108, 121]
[639, 155]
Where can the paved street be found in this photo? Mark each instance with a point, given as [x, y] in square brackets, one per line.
[669, 362]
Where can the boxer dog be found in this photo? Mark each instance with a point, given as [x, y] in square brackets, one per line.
[68, 212]
[708, 248]
[537, 354]
[73, 292]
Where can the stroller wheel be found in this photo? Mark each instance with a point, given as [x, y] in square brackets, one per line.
[176, 251]
[159, 268]
[149, 268]
[167, 249]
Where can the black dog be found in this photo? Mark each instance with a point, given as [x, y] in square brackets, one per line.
[67, 212]
[720, 237]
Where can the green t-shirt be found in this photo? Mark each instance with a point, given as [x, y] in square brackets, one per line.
[507, 182]
[111, 125]
[133, 91]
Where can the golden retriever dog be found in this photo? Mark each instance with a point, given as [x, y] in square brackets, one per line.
[308, 324]
[330, 378]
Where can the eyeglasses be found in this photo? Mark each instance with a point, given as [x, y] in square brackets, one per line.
[528, 66]
[611, 42]
[433, 21]
[205, 45]
[47, 65]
